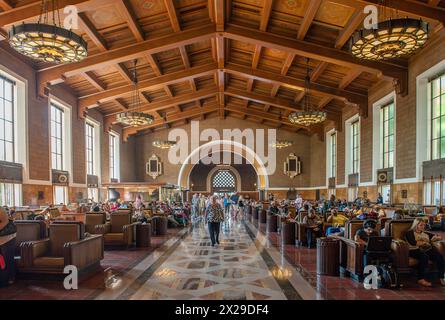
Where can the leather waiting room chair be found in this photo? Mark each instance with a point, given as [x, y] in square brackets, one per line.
[351, 252]
[119, 231]
[402, 261]
[94, 219]
[28, 231]
[66, 245]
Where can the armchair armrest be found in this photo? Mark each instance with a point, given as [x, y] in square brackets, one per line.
[130, 233]
[400, 249]
[31, 250]
[351, 255]
[103, 228]
[85, 252]
[440, 245]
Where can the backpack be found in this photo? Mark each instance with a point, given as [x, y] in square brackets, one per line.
[388, 277]
[9, 229]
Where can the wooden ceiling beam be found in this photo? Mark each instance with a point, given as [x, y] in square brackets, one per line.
[411, 7]
[349, 78]
[260, 98]
[309, 15]
[124, 72]
[88, 27]
[32, 10]
[287, 63]
[154, 64]
[6, 5]
[433, 3]
[317, 72]
[261, 115]
[156, 106]
[169, 119]
[219, 15]
[281, 103]
[265, 14]
[56, 74]
[94, 80]
[131, 19]
[353, 24]
[172, 15]
[298, 84]
[220, 51]
[121, 105]
[221, 97]
[318, 52]
[256, 57]
[184, 56]
[154, 83]
[211, 7]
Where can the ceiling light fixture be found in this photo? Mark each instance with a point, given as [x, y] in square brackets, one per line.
[47, 40]
[308, 116]
[135, 118]
[391, 38]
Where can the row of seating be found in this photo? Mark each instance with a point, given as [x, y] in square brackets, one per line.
[46, 248]
[351, 252]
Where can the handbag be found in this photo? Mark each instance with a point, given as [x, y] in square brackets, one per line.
[9, 229]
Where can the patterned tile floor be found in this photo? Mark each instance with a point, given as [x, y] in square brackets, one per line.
[248, 264]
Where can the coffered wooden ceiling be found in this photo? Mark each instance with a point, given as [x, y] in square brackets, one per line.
[215, 58]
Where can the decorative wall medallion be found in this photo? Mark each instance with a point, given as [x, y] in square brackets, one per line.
[292, 166]
[153, 167]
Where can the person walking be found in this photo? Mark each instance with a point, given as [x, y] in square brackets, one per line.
[214, 216]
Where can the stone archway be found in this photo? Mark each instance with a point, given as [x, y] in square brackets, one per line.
[258, 165]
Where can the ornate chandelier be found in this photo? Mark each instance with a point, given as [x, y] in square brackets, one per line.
[392, 38]
[135, 118]
[307, 116]
[163, 144]
[281, 144]
[47, 40]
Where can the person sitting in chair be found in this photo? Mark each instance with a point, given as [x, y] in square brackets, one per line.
[422, 249]
[313, 227]
[363, 234]
[273, 209]
[337, 220]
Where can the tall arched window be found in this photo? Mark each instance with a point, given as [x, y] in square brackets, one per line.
[224, 180]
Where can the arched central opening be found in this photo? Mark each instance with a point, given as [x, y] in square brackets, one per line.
[223, 181]
[224, 178]
[185, 174]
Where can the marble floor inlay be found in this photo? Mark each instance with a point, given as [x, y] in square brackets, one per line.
[240, 268]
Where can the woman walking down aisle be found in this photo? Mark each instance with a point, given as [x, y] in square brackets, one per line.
[214, 216]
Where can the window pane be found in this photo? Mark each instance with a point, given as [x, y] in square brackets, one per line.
[436, 88]
[437, 193]
[443, 85]
[435, 149]
[9, 149]
[9, 113]
[442, 107]
[436, 107]
[442, 148]
[436, 129]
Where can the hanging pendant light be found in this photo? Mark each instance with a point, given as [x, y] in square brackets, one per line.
[135, 118]
[163, 144]
[392, 38]
[47, 40]
[281, 144]
[308, 116]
